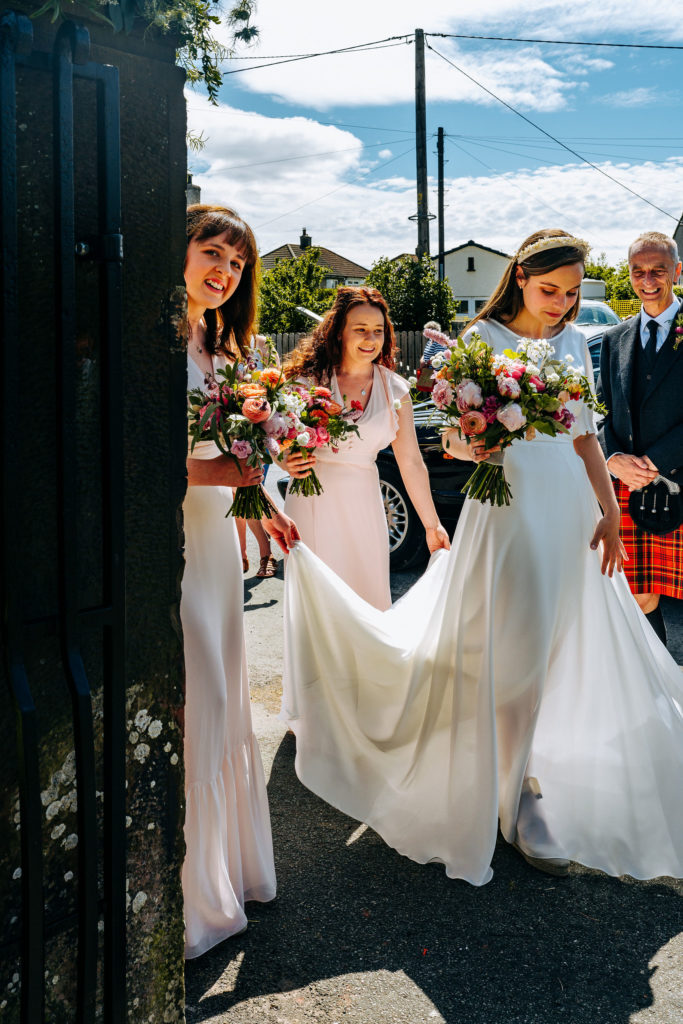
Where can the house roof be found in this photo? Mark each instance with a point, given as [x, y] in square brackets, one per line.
[476, 245]
[339, 265]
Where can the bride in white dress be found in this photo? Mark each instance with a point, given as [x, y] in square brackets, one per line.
[517, 682]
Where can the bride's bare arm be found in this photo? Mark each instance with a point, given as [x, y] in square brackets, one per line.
[613, 552]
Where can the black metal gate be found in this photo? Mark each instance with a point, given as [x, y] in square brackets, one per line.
[101, 864]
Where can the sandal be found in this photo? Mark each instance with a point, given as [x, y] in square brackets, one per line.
[267, 567]
[245, 563]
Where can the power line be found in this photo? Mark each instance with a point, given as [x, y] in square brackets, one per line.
[506, 179]
[556, 42]
[308, 156]
[554, 139]
[354, 181]
[380, 44]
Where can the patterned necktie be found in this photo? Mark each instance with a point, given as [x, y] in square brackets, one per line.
[651, 347]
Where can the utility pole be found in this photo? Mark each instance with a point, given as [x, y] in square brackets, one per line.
[439, 152]
[421, 145]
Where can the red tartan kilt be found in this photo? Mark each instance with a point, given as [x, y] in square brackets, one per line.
[655, 564]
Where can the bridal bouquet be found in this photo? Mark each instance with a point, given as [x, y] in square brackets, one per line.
[500, 398]
[319, 422]
[241, 412]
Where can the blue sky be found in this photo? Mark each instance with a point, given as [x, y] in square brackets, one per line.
[328, 143]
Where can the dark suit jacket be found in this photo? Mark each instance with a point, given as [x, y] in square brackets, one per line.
[661, 413]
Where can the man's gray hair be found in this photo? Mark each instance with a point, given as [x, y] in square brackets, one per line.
[657, 240]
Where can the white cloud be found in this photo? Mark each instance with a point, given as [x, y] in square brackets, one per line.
[535, 77]
[646, 96]
[361, 209]
[384, 154]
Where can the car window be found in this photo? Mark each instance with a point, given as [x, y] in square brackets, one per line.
[594, 348]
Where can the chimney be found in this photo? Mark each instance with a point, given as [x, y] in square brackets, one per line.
[305, 240]
[193, 193]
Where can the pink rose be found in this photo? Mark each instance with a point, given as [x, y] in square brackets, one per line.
[323, 435]
[468, 395]
[472, 423]
[442, 394]
[517, 369]
[241, 449]
[509, 387]
[511, 416]
[537, 382]
[256, 409]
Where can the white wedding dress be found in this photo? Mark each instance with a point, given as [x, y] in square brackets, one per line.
[511, 657]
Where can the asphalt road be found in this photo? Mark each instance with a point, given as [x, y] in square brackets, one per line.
[360, 935]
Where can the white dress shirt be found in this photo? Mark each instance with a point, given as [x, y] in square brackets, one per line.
[664, 321]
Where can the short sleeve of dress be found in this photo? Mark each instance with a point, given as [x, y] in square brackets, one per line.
[585, 421]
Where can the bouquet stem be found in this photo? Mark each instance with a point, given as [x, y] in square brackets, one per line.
[488, 482]
[308, 486]
[248, 503]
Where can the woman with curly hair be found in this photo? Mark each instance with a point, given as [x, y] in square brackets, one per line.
[352, 353]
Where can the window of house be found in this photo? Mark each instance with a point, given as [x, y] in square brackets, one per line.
[470, 263]
[479, 304]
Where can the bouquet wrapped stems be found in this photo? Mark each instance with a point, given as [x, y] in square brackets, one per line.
[488, 482]
[308, 486]
[249, 503]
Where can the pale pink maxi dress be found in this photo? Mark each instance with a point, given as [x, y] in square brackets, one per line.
[346, 525]
[229, 855]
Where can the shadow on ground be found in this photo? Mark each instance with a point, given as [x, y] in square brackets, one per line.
[524, 948]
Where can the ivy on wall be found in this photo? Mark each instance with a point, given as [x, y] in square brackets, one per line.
[192, 23]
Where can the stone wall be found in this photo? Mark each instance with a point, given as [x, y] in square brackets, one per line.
[153, 186]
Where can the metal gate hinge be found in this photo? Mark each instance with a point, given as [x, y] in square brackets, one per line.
[101, 248]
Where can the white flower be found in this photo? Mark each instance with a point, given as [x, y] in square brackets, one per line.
[437, 361]
[303, 439]
[141, 752]
[412, 381]
[397, 404]
[551, 377]
[142, 719]
[154, 728]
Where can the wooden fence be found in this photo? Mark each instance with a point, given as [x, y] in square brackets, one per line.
[409, 344]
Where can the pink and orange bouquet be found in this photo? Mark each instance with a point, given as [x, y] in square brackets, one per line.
[320, 422]
[235, 412]
[501, 398]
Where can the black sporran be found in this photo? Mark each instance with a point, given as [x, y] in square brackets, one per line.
[658, 508]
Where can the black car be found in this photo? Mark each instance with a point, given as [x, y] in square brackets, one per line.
[407, 546]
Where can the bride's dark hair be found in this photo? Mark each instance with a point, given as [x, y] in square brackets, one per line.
[507, 299]
[229, 328]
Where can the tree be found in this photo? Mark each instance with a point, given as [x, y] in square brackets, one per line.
[292, 283]
[617, 281]
[413, 292]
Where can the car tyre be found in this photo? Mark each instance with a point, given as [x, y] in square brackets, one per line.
[407, 544]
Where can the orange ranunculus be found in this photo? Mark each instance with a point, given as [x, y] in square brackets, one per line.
[250, 390]
[257, 410]
[271, 375]
[321, 392]
[320, 417]
[287, 443]
[333, 408]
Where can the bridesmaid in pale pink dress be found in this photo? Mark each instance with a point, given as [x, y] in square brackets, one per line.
[229, 850]
[352, 353]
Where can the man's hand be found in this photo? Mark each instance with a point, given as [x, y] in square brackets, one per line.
[636, 471]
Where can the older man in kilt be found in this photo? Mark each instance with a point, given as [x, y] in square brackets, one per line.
[641, 383]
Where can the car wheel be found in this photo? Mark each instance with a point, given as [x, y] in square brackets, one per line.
[407, 545]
